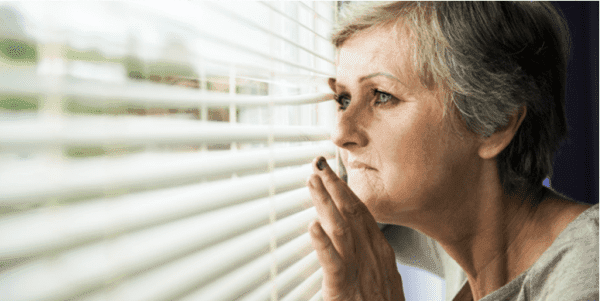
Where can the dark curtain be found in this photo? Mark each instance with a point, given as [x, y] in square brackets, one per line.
[576, 162]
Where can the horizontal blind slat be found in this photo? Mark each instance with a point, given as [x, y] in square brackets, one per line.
[294, 20]
[127, 228]
[314, 12]
[48, 229]
[34, 181]
[286, 279]
[131, 131]
[214, 38]
[174, 279]
[105, 42]
[307, 289]
[235, 284]
[33, 235]
[143, 93]
[317, 297]
[242, 19]
[71, 273]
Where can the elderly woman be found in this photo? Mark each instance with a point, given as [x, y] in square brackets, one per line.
[449, 115]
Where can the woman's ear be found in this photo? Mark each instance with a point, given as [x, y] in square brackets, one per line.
[499, 140]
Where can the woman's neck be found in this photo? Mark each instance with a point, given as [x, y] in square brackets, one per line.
[508, 236]
[491, 252]
[486, 232]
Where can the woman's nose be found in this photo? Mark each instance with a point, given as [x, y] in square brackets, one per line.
[349, 131]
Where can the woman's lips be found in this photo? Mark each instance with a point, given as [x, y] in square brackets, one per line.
[359, 165]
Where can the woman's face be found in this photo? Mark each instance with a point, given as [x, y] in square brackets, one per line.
[400, 155]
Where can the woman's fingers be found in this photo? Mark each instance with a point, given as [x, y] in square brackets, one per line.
[334, 267]
[362, 223]
[358, 262]
[348, 204]
[336, 228]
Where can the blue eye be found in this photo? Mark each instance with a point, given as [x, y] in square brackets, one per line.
[382, 97]
[343, 100]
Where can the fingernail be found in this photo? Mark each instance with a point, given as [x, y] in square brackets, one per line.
[322, 163]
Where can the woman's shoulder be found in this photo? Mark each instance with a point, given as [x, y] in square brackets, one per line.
[569, 267]
[576, 226]
[561, 216]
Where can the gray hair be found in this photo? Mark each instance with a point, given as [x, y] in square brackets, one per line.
[490, 59]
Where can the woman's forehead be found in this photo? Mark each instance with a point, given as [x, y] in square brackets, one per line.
[385, 49]
[371, 53]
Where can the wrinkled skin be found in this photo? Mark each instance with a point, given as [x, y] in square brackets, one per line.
[404, 165]
[357, 261]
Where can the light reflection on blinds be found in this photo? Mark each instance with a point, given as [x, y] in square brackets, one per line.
[159, 150]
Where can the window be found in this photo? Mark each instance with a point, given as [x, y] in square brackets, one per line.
[159, 150]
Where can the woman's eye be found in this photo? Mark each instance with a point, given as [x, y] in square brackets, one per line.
[343, 100]
[382, 97]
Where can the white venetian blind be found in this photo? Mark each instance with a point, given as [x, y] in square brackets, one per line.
[159, 150]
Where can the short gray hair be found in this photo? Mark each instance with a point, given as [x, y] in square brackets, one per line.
[490, 58]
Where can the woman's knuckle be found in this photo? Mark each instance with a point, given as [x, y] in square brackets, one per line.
[340, 231]
[326, 244]
[330, 178]
[313, 179]
[338, 271]
[353, 209]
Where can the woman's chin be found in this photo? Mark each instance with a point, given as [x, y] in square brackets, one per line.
[367, 187]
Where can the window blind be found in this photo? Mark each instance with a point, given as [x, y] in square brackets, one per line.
[159, 150]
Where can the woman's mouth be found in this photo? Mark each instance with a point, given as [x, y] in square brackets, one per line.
[359, 165]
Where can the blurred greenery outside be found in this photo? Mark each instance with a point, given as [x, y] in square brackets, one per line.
[23, 53]
[18, 52]
[15, 52]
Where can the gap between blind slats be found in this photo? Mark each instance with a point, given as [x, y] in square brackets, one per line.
[106, 131]
[258, 69]
[317, 297]
[233, 285]
[133, 254]
[254, 69]
[50, 229]
[145, 93]
[35, 181]
[91, 267]
[307, 289]
[314, 12]
[182, 276]
[242, 19]
[242, 47]
[294, 20]
[286, 280]
[230, 221]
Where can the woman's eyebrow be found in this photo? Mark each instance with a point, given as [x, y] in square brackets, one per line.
[333, 81]
[380, 74]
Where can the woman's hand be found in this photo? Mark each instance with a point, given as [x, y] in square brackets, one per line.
[358, 263]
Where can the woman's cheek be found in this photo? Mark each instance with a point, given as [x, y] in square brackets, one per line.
[368, 187]
[359, 185]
